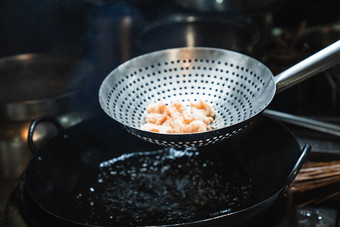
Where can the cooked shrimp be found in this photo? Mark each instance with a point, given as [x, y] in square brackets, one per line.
[204, 108]
[159, 108]
[156, 128]
[196, 126]
[156, 118]
[176, 119]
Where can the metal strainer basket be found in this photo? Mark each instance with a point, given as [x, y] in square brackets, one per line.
[237, 87]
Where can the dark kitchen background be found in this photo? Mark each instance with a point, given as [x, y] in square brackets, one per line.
[107, 33]
[78, 42]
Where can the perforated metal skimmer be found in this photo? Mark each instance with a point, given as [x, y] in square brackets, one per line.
[237, 87]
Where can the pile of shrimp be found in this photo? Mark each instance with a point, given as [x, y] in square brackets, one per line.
[177, 118]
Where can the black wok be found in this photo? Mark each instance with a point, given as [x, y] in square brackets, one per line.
[78, 177]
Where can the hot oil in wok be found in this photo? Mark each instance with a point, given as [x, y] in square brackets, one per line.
[165, 187]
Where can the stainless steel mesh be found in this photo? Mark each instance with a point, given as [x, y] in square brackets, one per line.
[236, 86]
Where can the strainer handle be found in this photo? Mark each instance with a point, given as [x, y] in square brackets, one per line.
[320, 61]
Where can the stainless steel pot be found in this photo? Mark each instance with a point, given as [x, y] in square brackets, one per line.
[39, 84]
[34, 85]
[233, 6]
[192, 30]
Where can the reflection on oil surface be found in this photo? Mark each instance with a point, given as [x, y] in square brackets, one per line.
[166, 186]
